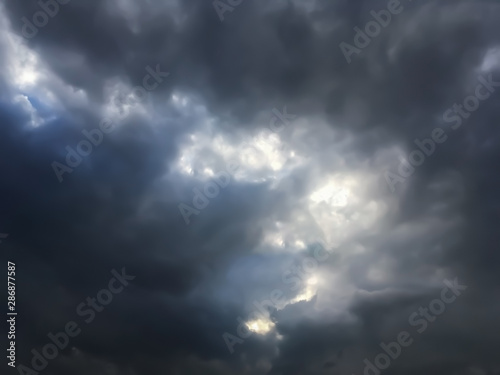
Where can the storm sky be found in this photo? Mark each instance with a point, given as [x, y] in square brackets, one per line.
[228, 154]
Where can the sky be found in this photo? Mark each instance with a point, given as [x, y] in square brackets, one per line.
[250, 187]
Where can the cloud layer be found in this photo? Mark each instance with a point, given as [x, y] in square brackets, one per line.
[279, 187]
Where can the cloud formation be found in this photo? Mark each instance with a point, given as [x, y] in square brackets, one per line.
[322, 179]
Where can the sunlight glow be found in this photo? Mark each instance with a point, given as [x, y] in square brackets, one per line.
[260, 326]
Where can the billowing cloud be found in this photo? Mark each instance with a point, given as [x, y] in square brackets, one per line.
[281, 206]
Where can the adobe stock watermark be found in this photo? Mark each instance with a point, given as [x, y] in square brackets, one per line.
[49, 9]
[60, 340]
[456, 114]
[222, 7]
[420, 319]
[94, 137]
[211, 189]
[372, 29]
[277, 297]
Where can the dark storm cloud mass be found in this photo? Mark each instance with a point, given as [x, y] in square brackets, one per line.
[119, 207]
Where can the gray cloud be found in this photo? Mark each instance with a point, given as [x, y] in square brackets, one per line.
[320, 179]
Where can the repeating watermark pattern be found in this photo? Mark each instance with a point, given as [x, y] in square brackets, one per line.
[94, 137]
[50, 9]
[277, 296]
[372, 29]
[279, 121]
[60, 340]
[421, 319]
[456, 114]
[212, 188]
[222, 7]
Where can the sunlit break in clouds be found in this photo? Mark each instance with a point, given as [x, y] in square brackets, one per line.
[250, 187]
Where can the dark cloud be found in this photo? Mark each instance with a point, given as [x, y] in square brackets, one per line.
[319, 179]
